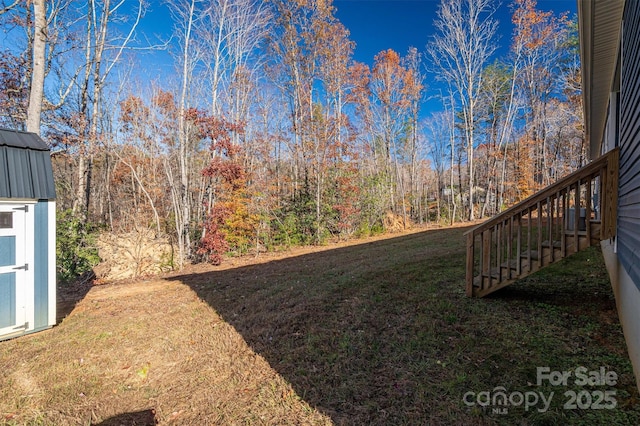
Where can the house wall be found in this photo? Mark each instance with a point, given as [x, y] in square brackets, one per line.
[627, 301]
[628, 241]
[622, 254]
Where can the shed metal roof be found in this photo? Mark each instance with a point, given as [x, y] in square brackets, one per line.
[25, 166]
[17, 139]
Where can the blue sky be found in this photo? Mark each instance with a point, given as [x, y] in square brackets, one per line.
[377, 25]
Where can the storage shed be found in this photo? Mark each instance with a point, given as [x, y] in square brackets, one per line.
[27, 235]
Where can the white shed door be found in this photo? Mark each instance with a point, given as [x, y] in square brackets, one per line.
[14, 277]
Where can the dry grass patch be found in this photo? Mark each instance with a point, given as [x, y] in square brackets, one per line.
[152, 345]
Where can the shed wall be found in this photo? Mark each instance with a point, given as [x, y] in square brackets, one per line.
[26, 178]
[41, 263]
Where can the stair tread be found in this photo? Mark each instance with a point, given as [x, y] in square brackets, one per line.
[533, 253]
[513, 264]
[556, 244]
[569, 233]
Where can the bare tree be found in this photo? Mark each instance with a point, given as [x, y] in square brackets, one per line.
[36, 31]
[464, 42]
[391, 110]
[436, 131]
[4, 8]
[102, 53]
[36, 91]
[186, 14]
[414, 90]
[229, 35]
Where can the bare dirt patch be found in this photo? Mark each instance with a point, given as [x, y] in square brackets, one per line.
[134, 254]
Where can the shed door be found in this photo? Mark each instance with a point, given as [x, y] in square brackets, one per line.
[13, 269]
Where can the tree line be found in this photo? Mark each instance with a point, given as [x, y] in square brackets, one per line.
[268, 133]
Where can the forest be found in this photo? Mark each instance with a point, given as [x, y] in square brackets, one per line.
[268, 134]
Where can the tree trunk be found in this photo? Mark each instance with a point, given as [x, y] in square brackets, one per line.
[36, 92]
[183, 139]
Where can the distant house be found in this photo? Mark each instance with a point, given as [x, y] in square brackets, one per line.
[27, 235]
[596, 205]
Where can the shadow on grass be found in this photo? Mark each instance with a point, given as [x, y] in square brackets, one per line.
[382, 333]
[72, 293]
[138, 418]
[578, 282]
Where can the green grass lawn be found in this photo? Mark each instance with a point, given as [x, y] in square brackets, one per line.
[382, 333]
[379, 332]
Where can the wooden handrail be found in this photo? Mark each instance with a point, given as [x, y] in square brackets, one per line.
[595, 166]
[555, 222]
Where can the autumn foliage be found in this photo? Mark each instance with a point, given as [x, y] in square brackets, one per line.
[270, 134]
[228, 222]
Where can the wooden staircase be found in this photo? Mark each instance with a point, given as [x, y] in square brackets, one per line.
[570, 215]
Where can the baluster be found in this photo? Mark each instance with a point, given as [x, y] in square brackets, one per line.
[529, 239]
[519, 245]
[576, 219]
[565, 218]
[539, 221]
[509, 246]
[486, 257]
[499, 228]
[471, 239]
[550, 228]
[587, 207]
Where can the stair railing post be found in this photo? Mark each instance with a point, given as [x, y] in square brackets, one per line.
[470, 262]
[550, 227]
[486, 259]
[539, 226]
[529, 230]
[499, 236]
[587, 207]
[565, 222]
[602, 200]
[509, 247]
[519, 245]
[576, 218]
